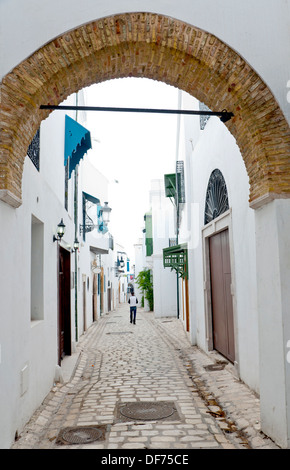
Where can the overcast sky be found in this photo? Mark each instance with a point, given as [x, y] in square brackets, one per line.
[131, 149]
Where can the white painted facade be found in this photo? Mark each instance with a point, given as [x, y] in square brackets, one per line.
[256, 288]
[210, 149]
[29, 276]
[139, 265]
[164, 280]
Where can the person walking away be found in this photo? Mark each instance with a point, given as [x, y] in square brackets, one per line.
[133, 301]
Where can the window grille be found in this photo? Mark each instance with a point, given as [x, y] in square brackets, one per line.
[203, 119]
[180, 181]
[33, 150]
[216, 202]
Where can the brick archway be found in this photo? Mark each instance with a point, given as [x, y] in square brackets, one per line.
[156, 47]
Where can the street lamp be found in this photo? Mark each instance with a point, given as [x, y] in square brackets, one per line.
[76, 245]
[104, 219]
[105, 211]
[60, 231]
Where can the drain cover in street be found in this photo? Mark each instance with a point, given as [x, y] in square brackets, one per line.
[213, 367]
[81, 435]
[119, 332]
[147, 411]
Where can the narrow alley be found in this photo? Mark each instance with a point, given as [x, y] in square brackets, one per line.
[145, 386]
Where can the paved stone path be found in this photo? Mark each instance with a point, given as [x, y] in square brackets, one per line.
[152, 361]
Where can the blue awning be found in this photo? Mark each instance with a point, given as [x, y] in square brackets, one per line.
[91, 198]
[77, 143]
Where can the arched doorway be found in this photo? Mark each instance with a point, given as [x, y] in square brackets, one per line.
[156, 47]
[168, 50]
[218, 268]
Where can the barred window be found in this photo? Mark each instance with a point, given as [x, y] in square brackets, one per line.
[34, 150]
[217, 201]
[203, 119]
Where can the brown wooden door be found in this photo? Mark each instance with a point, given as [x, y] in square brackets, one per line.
[95, 297]
[187, 304]
[84, 304]
[109, 299]
[64, 322]
[222, 305]
[102, 291]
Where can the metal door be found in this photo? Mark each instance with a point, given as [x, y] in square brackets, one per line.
[222, 305]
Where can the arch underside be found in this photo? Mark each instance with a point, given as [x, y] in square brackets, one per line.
[155, 47]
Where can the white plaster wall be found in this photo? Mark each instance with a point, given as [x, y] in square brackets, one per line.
[33, 345]
[273, 261]
[94, 183]
[165, 290]
[256, 30]
[139, 266]
[164, 280]
[25, 343]
[216, 148]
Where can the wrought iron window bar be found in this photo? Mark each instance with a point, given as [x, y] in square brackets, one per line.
[33, 150]
[217, 201]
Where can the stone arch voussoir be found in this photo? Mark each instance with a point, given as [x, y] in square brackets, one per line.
[156, 47]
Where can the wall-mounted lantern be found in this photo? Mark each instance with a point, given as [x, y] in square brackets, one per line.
[76, 245]
[103, 215]
[60, 231]
[105, 211]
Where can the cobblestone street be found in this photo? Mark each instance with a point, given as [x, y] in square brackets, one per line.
[182, 403]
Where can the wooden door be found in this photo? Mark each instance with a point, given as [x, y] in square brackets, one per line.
[102, 291]
[95, 297]
[109, 299]
[222, 305]
[64, 310]
[84, 303]
[187, 304]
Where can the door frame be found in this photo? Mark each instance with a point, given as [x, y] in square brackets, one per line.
[185, 303]
[84, 297]
[95, 297]
[64, 295]
[223, 222]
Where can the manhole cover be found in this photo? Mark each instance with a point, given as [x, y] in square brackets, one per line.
[213, 367]
[146, 411]
[119, 332]
[80, 435]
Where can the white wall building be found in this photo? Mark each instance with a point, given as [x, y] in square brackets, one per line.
[208, 153]
[164, 281]
[50, 289]
[215, 150]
